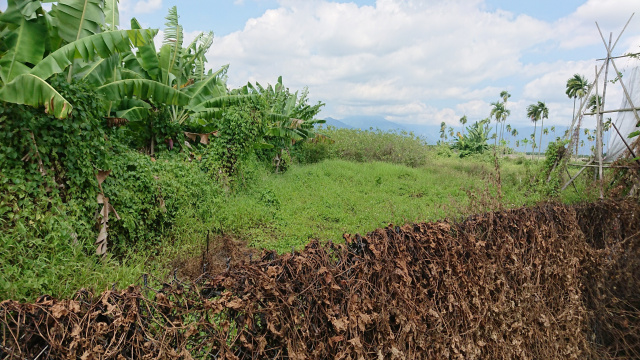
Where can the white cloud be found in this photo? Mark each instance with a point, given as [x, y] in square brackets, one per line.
[413, 61]
[140, 6]
[611, 16]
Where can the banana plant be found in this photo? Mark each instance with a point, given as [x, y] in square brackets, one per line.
[289, 117]
[40, 44]
[199, 97]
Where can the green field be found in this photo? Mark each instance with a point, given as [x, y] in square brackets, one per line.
[51, 251]
[122, 157]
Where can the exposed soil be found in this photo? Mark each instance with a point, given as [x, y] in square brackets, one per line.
[221, 253]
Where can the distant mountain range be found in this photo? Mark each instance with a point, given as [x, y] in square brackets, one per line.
[430, 132]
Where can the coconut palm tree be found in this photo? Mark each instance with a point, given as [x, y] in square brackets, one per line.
[443, 130]
[500, 113]
[594, 102]
[543, 113]
[532, 114]
[576, 88]
[537, 112]
[463, 121]
[504, 94]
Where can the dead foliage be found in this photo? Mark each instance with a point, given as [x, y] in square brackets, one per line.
[219, 253]
[549, 282]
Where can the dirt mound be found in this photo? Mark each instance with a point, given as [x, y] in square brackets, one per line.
[220, 253]
[549, 282]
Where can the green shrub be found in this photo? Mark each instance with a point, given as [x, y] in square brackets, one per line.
[237, 135]
[474, 141]
[310, 152]
[48, 194]
[369, 145]
[551, 177]
[43, 157]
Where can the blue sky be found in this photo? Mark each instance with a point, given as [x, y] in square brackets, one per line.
[410, 61]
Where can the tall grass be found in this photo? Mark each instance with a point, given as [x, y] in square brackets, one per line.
[362, 181]
[367, 146]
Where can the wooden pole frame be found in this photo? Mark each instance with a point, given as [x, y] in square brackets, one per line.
[600, 107]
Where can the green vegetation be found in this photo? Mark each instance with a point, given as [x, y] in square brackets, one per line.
[366, 146]
[139, 153]
[474, 141]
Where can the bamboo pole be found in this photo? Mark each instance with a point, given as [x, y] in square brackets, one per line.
[576, 176]
[600, 106]
[626, 143]
[621, 56]
[613, 111]
[585, 99]
[599, 131]
[626, 93]
[599, 112]
[604, 166]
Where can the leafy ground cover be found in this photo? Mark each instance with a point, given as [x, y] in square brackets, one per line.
[136, 159]
[168, 204]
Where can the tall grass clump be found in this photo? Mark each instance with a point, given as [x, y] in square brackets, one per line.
[357, 145]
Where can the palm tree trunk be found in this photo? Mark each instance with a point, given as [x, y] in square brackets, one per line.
[541, 131]
[535, 128]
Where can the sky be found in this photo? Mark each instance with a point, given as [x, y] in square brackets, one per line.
[411, 62]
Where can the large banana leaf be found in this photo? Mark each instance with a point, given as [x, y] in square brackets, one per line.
[146, 58]
[137, 113]
[194, 56]
[101, 71]
[103, 45]
[208, 114]
[111, 14]
[128, 103]
[78, 18]
[171, 50]
[130, 74]
[130, 63]
[143, 89]
[207, 88]
[28, 8]
[223, 101]
[31, 90]
[25, 46]
[17, 10]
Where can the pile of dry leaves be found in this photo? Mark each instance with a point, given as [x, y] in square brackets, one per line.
[549, 282]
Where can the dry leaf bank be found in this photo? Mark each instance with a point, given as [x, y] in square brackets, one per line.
[550, 282]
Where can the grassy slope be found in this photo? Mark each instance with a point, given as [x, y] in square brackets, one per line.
[324, 200]
[318, 201]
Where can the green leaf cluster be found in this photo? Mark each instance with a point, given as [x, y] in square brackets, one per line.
[474, 141]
